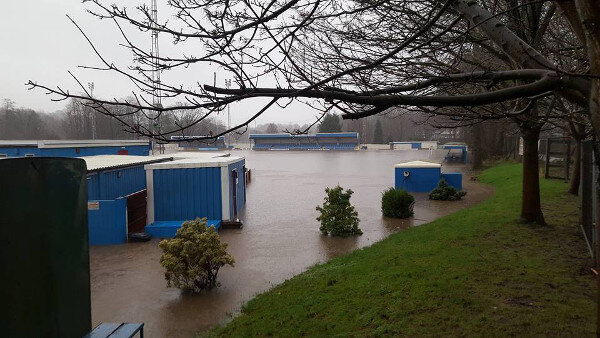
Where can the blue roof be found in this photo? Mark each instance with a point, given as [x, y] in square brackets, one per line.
[270, 135]
[317, 135]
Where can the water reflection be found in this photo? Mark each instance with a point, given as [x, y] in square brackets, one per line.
[332, 247]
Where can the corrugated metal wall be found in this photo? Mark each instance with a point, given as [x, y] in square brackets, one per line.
[19, 151]
[141, 150]
[110, 184]
[185, 194]
[107, 223]
[240, 186]
[92, 151]
[419, 179]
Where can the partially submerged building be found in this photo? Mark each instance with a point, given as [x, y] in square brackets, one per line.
[422, 176]
[116, 192]
[407, 145]
[186, 189]
[156, 194]
[73, 148]
[319, 141]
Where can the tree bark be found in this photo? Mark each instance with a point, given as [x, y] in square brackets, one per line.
[476, 145]
[531, 210]
[576, 176]
[589, 25]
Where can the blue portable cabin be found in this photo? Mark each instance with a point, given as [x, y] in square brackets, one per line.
[421, 176]
[319, 141]
[73, 148]
[190, 188]
[116, 188]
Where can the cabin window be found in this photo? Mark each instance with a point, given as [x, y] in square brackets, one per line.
[3, 155]
[29, 155]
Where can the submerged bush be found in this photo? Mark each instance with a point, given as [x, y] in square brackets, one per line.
[397, 203]
[193, 258]
[338, 216]
[445, 192]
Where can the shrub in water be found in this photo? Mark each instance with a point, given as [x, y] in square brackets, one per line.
[338, 216]
[397, 203]
[193, 258]
[445, 192]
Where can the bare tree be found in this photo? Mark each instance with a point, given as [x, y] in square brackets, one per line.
[363, 58]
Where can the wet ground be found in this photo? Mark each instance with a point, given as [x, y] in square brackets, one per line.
[280, 239]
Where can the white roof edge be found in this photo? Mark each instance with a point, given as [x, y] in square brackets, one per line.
[418, 164]
[189, 163]
[89, 143]
[106, 162]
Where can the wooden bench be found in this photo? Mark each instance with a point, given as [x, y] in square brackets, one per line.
[117, 330]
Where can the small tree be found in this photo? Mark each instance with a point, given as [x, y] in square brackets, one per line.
[338, 216]
[445, 192]
[397, 203]
[193, 258]
[331, 123]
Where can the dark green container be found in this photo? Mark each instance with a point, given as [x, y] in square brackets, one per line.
[44, 251]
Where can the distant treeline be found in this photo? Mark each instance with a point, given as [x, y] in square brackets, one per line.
[76, 121]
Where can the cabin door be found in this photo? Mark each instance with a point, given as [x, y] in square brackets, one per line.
[136, 212]
[234, 181]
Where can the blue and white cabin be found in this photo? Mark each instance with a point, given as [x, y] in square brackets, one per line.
[185, 189]
[73, 148]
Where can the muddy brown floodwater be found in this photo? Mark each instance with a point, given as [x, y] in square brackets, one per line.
[280, 238]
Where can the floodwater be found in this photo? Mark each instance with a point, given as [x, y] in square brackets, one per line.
[280, 238]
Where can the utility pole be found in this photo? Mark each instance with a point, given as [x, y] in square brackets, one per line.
[91, 87]
[228, 84]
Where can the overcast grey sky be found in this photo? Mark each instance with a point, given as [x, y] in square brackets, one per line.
[39, 43]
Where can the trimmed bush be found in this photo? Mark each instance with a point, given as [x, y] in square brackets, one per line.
[445, 192]
[193, 258]
[397, 203]
[338, 217]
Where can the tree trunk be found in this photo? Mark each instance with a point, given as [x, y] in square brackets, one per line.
[531, 210]
[476, 145]
[576, 176]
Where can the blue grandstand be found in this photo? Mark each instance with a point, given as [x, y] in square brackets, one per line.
[319, 141]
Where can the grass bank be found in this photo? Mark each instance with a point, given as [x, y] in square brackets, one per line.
[475, 272]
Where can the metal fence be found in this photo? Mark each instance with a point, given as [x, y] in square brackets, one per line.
[557, 154]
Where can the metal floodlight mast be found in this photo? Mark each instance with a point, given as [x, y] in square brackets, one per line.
[91, 87]
[228, 85]
[156, 95]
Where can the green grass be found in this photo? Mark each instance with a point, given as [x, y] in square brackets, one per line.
[475, 272]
